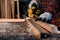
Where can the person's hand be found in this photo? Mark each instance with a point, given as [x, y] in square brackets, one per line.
[46, 16]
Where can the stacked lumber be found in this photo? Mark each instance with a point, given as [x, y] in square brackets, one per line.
[7, 9]
[4, 10]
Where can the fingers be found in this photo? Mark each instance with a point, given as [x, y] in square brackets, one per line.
[45, 17]
[38, 19]
[43, 20]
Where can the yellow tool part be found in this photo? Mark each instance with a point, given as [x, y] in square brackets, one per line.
[33, 15]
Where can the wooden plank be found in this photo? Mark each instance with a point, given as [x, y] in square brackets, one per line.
[6, 11]
[18, 15]
[9, 9]
[45, 26]
[33, 30]
[2, 8]
[12, 7]
[12, 20]
[42, 30]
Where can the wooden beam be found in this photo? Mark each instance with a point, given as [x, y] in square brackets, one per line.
[9, 9]
[6, 10]
[45, 26]
[2, 8]
[18, 15]
[33, 30]
[12, 7]
[12, 20]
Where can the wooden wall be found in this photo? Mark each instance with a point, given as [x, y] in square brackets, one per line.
[7, 9]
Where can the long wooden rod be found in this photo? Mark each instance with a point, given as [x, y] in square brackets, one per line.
[2, 8]
[12, 7]
[12, 20]
[6, 11]
[39, 27]
[43, 25]
[33, 30]
[18, 15]
[9, 9]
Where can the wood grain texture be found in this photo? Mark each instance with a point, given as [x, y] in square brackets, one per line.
[12, 7]
[45, 26]
[33, 30]
[12, 20]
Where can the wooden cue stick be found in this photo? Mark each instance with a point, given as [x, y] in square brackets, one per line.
[9, 9]
[2, 8]
[12, 7]
[18, 15]
[6, 11]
